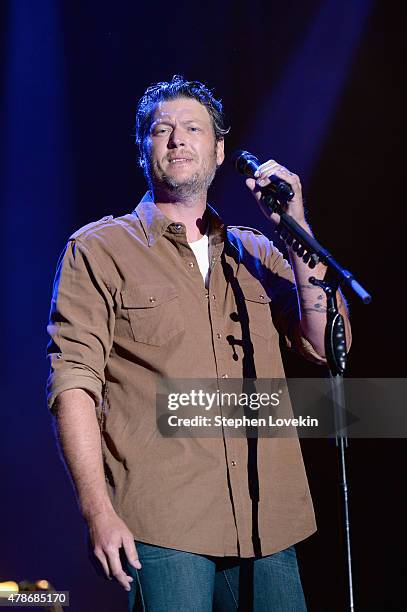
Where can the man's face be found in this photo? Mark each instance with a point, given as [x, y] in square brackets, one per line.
[181, 152]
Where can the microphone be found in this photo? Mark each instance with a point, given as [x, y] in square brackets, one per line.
[247, 164]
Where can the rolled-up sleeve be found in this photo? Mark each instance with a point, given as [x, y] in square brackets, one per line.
[81, 325]
[285, 306]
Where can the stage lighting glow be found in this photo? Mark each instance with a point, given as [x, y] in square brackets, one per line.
[8, 586]
[42, 584]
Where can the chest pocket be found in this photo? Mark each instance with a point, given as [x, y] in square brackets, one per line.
[154, 313]
[258, 308]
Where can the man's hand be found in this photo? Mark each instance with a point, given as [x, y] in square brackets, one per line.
[108, 533]
[295, 207]
[79, 436]
[311, 299]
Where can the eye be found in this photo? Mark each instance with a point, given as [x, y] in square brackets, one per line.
[160, 130]
[194, 128]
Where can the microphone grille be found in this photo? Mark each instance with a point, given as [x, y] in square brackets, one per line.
[241, 160]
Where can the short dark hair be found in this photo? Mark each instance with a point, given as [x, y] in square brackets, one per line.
[178, 87]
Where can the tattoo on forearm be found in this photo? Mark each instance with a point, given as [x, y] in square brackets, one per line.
[319, 300]
[314, 308]
[318, 306]
[320, 296]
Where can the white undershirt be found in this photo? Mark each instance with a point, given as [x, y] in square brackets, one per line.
[200, 249]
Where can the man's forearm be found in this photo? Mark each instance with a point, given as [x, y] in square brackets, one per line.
[312, 299]
[79, 437]
[313, 303]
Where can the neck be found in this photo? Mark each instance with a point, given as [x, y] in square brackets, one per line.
[189, 211]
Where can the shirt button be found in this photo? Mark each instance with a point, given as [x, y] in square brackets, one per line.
[218, 336]
[233, 463]
[261, 296]
[213, 296]
[225, 376]
[191, 264]
[152, 299]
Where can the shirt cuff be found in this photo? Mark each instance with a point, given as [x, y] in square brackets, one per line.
[64, 383]
[304, 347]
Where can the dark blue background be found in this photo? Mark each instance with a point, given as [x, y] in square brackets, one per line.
[314, 84]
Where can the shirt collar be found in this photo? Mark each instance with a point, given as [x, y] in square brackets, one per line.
[155, 223]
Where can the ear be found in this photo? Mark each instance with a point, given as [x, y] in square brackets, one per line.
[142, 159]
[142, 154]
[220, 152]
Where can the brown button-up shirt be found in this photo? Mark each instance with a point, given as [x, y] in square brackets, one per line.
[128, 307]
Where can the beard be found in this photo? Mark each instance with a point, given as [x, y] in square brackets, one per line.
[196, 184]
[183, 189]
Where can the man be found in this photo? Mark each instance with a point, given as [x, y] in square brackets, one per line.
[184, 523]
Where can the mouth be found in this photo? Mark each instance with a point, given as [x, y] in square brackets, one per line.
[179, 160]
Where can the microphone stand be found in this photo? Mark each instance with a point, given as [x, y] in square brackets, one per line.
[311, 252]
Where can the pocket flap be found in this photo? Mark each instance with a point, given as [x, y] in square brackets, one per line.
[254, 291]
[148, 296]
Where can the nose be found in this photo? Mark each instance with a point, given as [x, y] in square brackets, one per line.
[177, 138]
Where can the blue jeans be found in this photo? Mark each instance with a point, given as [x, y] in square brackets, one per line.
[175, 581]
